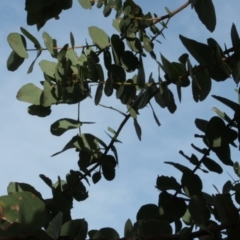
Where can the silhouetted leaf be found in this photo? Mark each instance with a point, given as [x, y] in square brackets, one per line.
[234, 106]
[62, 53]
[201, 85]
[206, 13]
[106, 233]
[166, 183]
[201, 52]
[201, 124]
[98, 95]
[155, 228]
[108, 173]
[96, 177]
[171, 208]
[198, 211]
[72, 40]
[118, 48]
[137, 128]
[235, 40]
[14, 61]
[47, 180]
[192, 184]
[211, 165]
[169, 69]
[73, 228]
[224, 154]
[154, 115]
[148, 212]
[227, 187]
[178, 166]
[141, 74]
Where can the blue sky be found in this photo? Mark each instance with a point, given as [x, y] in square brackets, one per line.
[27, 144]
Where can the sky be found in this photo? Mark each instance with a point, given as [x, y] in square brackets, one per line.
[27, 144]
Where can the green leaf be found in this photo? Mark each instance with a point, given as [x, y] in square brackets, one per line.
[32, 64]
[86, 4]
[106, 233]
[54, 227]
[98, 95]
[18, 43]
[201, 52]
[29, 93]
[24, 208]
[96, 177]
[128, 230]
[48, 67]
[166, 183]
[62, 125]
[192, 184]
[99, 37]
[137, 128]
[49, 95]
[211, 165]
[62, 54]
[48, 41]
[14, 61]
[31, 38]
[206, 13]
[14, 187]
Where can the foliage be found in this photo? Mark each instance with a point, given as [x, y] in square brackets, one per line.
[68, 78]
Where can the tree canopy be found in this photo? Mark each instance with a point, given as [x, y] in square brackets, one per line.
[113, 65]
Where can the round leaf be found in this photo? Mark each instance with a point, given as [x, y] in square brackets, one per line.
[99, 37]
[18, 44]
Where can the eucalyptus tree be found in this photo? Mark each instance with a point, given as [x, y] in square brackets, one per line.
[184, 211]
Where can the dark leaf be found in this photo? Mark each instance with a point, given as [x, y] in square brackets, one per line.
[38, 110]
[96, 177]
[167, 183]
[137, 128]
[211, 165]
[14, 61]
[148, 212]
[98, 95]
[206, 13]
[192, 184]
